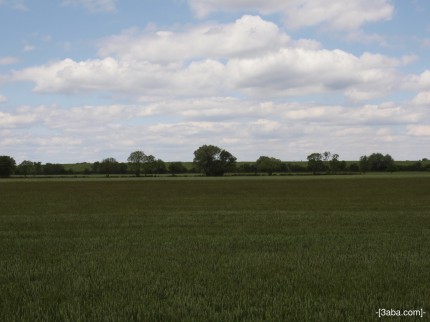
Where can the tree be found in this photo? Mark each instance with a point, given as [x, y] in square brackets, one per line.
[380, 162]
[148, 164]
[176, 168]
[364, 164]
[268, 164]
[326, 158]
[95, 167]
[334, 164]
[213, 161]
[108, 166]
[377, 162]
[315, 162]
[136, 160]
[247, 168]
[25, 167]
[54, 169]
[7, 166]
[354, 167]
[38, 168]
[154, 166]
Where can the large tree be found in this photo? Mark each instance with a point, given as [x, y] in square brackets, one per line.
[7, 166]
[213, 161]
[25, 168]
[377, 162]
[268, 164]
[136, 160]
[315, 162]
[108, 166]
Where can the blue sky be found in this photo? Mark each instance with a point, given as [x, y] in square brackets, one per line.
[82, 80]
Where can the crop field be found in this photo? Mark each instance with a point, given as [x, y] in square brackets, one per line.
[228, 249]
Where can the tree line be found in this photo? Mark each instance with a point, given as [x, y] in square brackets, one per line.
[211, 160]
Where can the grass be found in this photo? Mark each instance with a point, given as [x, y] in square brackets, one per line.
[283, 249]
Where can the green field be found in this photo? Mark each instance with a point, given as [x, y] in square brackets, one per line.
[226, 249]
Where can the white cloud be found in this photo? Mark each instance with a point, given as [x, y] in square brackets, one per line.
[247, 36]
[28, 48]
[15, 4]
[250, 57]
[419, 130]
[286, 130]
[424, 80]
[335, 14]
[8, 60]
[67, 76]
[93, 5]
[418, 83]
[295, 71]
[422, 98]
[11, 120]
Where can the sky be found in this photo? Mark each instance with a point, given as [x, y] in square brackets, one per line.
[83, 80]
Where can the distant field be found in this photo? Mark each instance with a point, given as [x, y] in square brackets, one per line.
[224, 249]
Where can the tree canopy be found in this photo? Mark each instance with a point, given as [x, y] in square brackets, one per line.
[268, 164]
[315, 162]
[136, 160]
[214, 161]
[377, 162]
[7, 165]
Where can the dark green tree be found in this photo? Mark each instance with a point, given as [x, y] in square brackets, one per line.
[268, 164]
[38, 168]
[326, 156]
[354, 167]
[315, 163]
[54, 169]
[247, 168]
[155, 166]
[334, 164]
[7, 166]
[177, 168]
[380, 162]
[108, 166]
[25, 168]
[213, 161]
[364, 164]
[136, 160]
[95, 167]
[148, 164]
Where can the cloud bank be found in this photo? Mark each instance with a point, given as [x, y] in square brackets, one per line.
[248, 86]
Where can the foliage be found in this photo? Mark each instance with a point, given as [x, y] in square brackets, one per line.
[108, 166]
[377, 162]
[154, 166]
[136, 160]
[54, 169]
[315, 163]
[268, 164]
[247, 167]
[327, 161]
[354, 167]
[177, 168]
[25, 168]
[7, 166]
[213, 161]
